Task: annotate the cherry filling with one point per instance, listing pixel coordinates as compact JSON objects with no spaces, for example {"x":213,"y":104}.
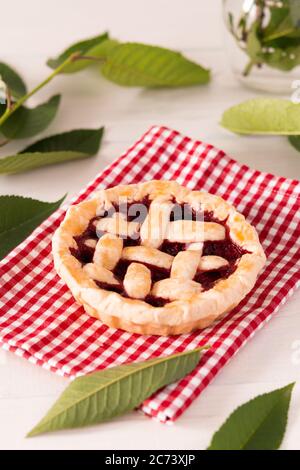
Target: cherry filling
{"x":172,"y":248}
{"x":137,"y":211}
{"x":91,"y":231}
{"x":208,"y":278}
{"x":155,"y":301}
{"x":119,"y":289}
{"x":225,"y":248}
{"x":157,"y":273}
{"x":83,"y":252}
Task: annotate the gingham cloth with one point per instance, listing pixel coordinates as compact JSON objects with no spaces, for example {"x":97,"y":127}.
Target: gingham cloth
{"x":39,"y":319}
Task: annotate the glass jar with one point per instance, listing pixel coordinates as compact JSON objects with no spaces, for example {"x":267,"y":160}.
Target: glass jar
{"x":264,"y":43}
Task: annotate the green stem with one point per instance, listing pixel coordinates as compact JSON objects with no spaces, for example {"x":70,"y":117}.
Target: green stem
{"x":248,"y":68}
{"x":9,"y":111}
{"x":8,"y":98}
{"x":91,"y":58}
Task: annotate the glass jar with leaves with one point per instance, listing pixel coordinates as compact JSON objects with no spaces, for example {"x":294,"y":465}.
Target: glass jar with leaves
{"x":264,"y":42}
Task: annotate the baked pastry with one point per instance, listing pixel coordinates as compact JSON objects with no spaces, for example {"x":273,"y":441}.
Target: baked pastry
{"x":156,"y":257}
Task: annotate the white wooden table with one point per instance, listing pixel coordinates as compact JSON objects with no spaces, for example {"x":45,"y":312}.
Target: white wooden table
{"x":36,"y":30}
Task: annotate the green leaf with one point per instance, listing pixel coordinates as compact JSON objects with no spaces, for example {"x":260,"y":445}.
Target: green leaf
{"x":27,"y":122}
{"x":12,"y":80}
{"x":133,"y":64}
{"x":93,"y":55}
{"x":102,"y":50}
{"x":295,"y":141}
{"x":258,"y":424}
{"x":263,"y":116}
{"x":19,"y":216}
{"x":284,"y":43}
{"x":282,"y":52}
{"x":81,"y":140}
{"x":280,"y":24}
{"x":281,"y":39}
{"x":59,"y":148}
{"x":104,"y":394}
{"x":87,"y":47}
{"x":21,"y":163}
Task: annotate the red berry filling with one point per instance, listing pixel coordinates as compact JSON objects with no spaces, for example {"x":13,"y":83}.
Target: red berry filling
{"x":137,"y":211}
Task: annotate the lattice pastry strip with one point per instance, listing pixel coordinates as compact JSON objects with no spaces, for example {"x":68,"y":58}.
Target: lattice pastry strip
{"x":118,"y":225}
{"x":185,"y":264}
{"x":147,"y":255}
{"x":209,"y":263}
{"x":90,"y":243}
{"x":155,"y":226}
{"x":137,"y":281}
{"x":176,"y":289}
{"x":108,"y":251}
{"x":190,"y":231}
{"x":100,"y":274}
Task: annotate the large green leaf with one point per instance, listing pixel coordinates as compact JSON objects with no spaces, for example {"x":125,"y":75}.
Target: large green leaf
{"x":285,"y":59}
{"x":263,"y":116}
{"x":19,"y":216}
{"x":102,"y":395}
{"x":27,"y":122}
{"x":80,"y":140}
{"x":29,"y":161}
{"x":258,"y":424}
{"x":295,"y":141}
{"x":87,"y":47}
{"x":280,"y":24}
{"x":133,"y":64}
{"x":14,"y":82}
{"x":59,"y":148}
{"x":101,"y":51}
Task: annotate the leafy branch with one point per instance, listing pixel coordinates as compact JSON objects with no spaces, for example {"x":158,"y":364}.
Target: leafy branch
{"x":19,"y":122}
{"x":129,"y":64}
{"x":135,"y":64}
{"x":11,"y":107}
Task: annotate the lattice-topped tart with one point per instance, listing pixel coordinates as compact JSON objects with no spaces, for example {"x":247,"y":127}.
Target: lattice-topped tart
{"x":156,"y":257}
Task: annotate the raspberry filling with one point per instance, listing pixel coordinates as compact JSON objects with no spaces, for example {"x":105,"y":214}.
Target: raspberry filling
{"x":226,"y":248}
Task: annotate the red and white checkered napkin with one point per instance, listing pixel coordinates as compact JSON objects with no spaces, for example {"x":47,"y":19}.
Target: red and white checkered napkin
{"x":40,"y":320}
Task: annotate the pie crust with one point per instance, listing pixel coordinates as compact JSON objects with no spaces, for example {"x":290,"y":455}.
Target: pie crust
{"x":173,"y":278}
